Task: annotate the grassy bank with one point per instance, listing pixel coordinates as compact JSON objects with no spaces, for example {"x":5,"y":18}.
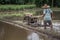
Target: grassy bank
{"x":12,"y":16}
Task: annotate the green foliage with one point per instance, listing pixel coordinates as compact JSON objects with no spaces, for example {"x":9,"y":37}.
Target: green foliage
{"x":16,"y":7}
{"x":38,"y":3}
{"x":57,"y":3}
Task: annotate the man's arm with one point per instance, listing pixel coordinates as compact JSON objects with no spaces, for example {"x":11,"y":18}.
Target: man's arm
{"x":51,"y":15}
{"x":43,"y":15}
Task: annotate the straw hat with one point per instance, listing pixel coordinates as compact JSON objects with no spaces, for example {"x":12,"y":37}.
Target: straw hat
{"x":46,"y":6}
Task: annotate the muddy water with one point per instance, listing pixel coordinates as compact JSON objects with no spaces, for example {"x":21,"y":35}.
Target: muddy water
{"x":9,"y":32}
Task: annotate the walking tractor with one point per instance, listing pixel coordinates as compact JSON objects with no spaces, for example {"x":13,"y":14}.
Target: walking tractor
{"x":32,"y":20}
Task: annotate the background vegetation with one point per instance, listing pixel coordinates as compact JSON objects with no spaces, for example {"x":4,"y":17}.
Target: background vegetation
{"x":16,"y":7}
{"x":38,"y":3}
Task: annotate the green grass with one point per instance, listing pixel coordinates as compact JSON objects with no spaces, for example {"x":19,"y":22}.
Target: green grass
{"x":15,"y":7}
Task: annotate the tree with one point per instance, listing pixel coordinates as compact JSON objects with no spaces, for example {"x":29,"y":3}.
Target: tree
{"x":57,"y":3}
{"x":38,"y":3}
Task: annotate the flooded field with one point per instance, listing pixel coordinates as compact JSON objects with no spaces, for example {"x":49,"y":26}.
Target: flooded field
{"x":10,"y":32}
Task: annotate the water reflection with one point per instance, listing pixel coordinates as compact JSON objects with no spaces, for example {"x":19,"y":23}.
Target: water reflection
{"x":33,"y":36}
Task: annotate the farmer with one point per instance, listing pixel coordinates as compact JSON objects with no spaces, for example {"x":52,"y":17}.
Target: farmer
{"x":47,"y":16}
